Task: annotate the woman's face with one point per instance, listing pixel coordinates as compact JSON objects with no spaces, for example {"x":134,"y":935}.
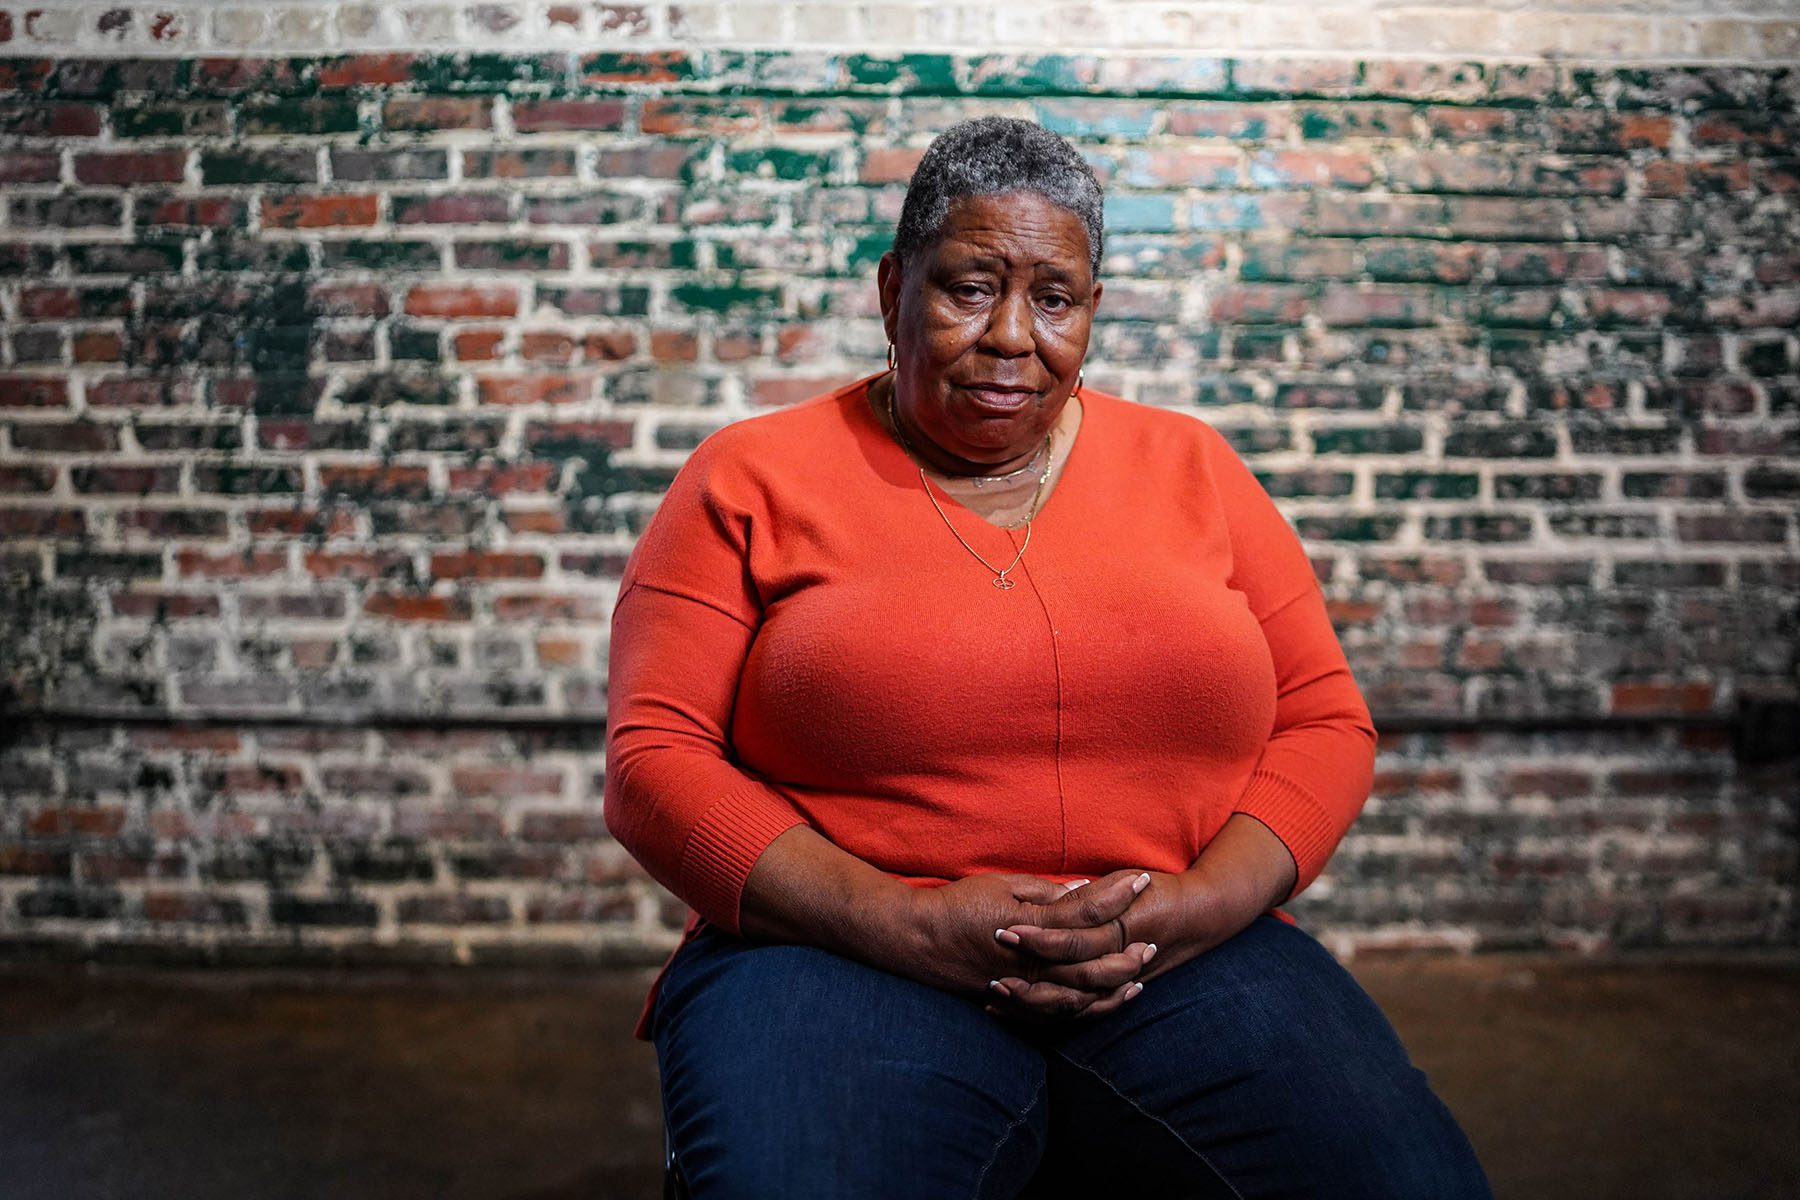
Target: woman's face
{"x":990,"y":327}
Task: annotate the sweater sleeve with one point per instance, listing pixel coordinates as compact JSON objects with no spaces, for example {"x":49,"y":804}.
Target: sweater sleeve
{"x":686,"y":616}
{"x":1319,"y":762}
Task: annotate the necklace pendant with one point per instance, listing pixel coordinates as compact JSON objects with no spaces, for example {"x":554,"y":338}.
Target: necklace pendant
{"x":1004,"y":584}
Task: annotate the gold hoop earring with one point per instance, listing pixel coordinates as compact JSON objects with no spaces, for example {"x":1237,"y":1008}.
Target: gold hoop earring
{"x":1080,"y":377}
{"x":893,"y":360}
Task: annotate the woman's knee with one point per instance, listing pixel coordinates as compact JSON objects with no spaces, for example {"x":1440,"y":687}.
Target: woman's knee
{"x":1269,"y":1061}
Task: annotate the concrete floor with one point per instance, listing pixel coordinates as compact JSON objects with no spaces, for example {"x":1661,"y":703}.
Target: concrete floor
{"x":1636,"y":1079}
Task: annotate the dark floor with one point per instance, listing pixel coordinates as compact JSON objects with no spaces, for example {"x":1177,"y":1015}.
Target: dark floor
{"x":1639,"y":1079}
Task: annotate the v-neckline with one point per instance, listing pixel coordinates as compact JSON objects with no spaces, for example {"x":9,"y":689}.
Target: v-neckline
{"x":905,"y":460}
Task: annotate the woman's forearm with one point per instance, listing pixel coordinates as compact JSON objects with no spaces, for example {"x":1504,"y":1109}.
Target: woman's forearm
{"x":1243,"y":872}
{"x":806,"y":889}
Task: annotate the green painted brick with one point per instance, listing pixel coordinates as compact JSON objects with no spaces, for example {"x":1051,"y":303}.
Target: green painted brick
{"x":779,"y":163}
{"x":258,"y":166}
{"x":913,"y":74}
{"x":1426,"y":485}
{"x":1097,"y":118}
{"x":316,"y":114}
{"x":725,"y":297}
{"x":1127,"y":214}
{"x":658,"y":67}
{"x":1030,"y":75}
{"x":488,"y":72}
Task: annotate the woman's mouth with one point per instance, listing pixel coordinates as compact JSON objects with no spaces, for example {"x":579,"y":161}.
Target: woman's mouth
{"x":999,"y":397}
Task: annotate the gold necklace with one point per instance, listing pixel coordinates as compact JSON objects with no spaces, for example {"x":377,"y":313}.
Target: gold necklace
{"x":1000,"y":574}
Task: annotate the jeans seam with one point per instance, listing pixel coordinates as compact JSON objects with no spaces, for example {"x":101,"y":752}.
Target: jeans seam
{"x":1148,"y":1115}
{"x":1006,"y":1136}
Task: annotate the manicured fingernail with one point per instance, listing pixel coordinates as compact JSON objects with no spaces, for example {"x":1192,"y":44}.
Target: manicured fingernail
{"x":1075,"y":883}
{"x":994,"y":985}
{"x":1150,"y":952}
{"x":1141,"y":882}
{"x":1131,"y":993}
{"x":1006,"y":937}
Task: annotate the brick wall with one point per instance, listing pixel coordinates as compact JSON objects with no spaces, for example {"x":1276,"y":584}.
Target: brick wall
{"x":335,"y":385}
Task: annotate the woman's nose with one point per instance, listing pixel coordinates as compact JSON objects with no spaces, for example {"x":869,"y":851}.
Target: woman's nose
{"x":1009,"y":326}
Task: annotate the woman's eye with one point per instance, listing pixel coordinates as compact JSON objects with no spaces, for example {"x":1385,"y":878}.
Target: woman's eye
{"x":966,"y":291}
{"x":1054,"y":303}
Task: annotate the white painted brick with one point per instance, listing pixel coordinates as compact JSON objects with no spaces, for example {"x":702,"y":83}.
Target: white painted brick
{"x":704,"y":22}
{"x":429,"y":22}
{"x":238,"y":26}
{"x":889,"y":24}
{"x":53,"y":25}
{"x":305,"y":26}
{"x":828,"y":23}
{"x":1780,"y":41}
{"x":759,"y":22}
{"x":364,"y":22}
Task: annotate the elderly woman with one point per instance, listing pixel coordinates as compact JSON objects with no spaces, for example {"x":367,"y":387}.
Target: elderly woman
{"x":982,"y":719}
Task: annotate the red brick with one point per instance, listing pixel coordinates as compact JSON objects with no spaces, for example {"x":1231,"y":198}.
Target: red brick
{"x":32,"y":391}
{"x":233,"y":564}
{"x":459,"y":301}
{"x":614,"y":434}
{"x":465,"y":209}
{"x":1239,"y":122}
{"x":316,"y":212}
{"x":550,"y":347}
{"x":366,"y":70}
{"x":534,"y":389}
{"x":404,"y":607}
{"x":1287,"y":75}
{"x":702,"y":114}
{"x":615,"y":345}
{"x":49,"y":303}
{"x":541,"y":116}
{"x":676,"y":346}
{"x":425,"y":114}
{"x":890,"y":164}
{"x":478,"y":345}
{"x":491,"y":564}
{"x":1312,"y":168}
{"x":142,"y":166}
{"x":30,"y":166}
{"x":50,"y":119}
{"x":531,"y":479}
{"x":348,"y":299}
{"x":356,"y":564}
{"x":96,"y":346}
{"x":543,"y":607}
{"x":1260,"y":304}
{"x":1665,"y":698}
{"x":213,"y":212}
{"x":88,"y":822}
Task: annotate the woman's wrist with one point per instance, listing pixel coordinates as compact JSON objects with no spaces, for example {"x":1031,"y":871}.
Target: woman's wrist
{"x":1244,"y":872}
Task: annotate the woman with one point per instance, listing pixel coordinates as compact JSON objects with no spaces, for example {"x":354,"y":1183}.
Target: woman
{"x":982,"y":719}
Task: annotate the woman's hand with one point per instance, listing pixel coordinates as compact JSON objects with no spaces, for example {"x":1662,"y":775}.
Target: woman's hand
{"x":1243,"y":872}
{"x":955,"y":937}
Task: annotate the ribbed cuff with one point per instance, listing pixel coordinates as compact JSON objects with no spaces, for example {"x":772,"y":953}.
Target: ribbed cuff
{"x":725,"y":844}
{"x":1294,"y":816}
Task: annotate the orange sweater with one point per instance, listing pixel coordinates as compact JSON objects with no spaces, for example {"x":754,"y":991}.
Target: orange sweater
{"x":799,"y":638}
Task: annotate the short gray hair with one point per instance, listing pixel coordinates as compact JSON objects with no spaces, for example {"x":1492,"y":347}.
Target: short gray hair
{"x":992,"y":155}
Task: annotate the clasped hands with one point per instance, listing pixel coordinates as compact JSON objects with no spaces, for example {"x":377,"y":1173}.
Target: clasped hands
{"x":1038,"y":949}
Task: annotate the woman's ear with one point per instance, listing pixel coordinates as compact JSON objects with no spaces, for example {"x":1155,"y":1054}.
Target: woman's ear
{"x":887,"y":286}
{"x":1094,"y":303}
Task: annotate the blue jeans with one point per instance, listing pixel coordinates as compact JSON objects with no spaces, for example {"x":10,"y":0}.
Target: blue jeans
{"x":1259,"y":1069}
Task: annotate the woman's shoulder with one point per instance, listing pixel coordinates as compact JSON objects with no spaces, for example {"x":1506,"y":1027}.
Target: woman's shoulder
{"x":1146,"y":433}
{"x":795,"y":432}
